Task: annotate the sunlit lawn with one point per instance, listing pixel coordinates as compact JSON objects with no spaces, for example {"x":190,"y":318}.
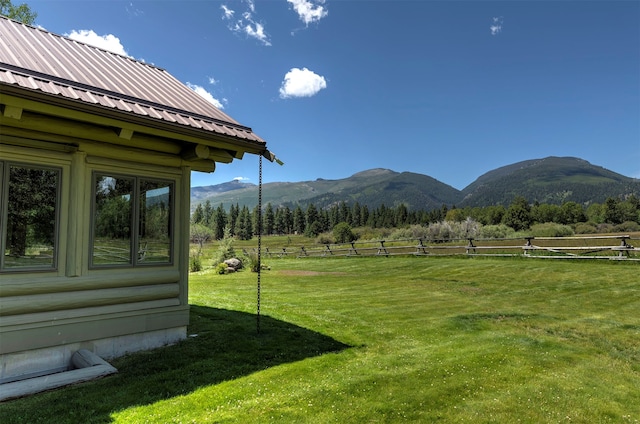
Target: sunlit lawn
{"x":384,"y":340}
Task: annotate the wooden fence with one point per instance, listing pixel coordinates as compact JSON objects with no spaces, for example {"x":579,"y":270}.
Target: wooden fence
{"x":616,"y":247}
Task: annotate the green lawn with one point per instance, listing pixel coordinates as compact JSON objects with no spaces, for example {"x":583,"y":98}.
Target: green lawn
{"x":372,"y":340}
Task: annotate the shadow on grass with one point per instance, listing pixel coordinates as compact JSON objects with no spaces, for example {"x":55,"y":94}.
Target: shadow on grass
{"x":225,"y":346}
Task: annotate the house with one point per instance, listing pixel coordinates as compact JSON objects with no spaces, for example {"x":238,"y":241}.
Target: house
{"x":96,"y":151}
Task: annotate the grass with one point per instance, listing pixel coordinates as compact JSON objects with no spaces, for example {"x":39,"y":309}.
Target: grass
{"x":384,"y":340}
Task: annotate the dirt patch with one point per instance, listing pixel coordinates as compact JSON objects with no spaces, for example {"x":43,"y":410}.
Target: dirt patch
{"x":308,"y":273}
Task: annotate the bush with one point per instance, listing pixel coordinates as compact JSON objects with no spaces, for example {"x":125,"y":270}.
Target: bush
{"x":411,"y":232}
{"x":496,"y":231}
{"x":368,"y":233}
{"x":551,"y":229}
{"x":605,"y":228}
{"x":221,"y":268}
{"x":225,"y":248}
{"x":251,"y":259}
{"x":342,"y":233}
{"x":447,"y":230}
{"x":324,"y":238}
{"x":195,"y":264}
{"x":585,"y":228}
{"x":629,"y":226}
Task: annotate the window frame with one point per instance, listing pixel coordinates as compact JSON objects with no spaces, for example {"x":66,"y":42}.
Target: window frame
{"x":5,"y":166}
{"x":136,"y":218}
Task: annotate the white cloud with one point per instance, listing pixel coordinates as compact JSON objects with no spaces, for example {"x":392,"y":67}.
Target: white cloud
{"x":496,"y":28}
{"x":247,"y":24}
{"x":212,"y":81}
{"x":301,"y":83}
{"x":107,"y":42}
{"x":309,"y":11}
{"x":206,"y":95}
{"x":228,"y":13}
{"x":241,"y":179}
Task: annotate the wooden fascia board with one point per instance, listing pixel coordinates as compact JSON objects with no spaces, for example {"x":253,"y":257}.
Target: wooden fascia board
{"x":81,"y":111}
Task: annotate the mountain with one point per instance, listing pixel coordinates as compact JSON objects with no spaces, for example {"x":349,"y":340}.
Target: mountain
{"x":204,"y":192}
{"x":549,"y":180}
{"x":372,"y":188}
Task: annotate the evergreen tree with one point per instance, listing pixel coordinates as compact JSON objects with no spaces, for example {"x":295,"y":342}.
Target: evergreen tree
{"x":219,"y":222}
{"x":269,"y":220}
{"x":311,"y":217}
{"x":244,"y":224}
{"x":234,"y":211}
{"x":198,"y":215}
{"x":208,"y":214}
{"x":299,"y":223}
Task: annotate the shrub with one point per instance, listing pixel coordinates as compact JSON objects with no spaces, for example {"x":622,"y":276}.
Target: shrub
{"x":627,"y":226}
{"x":324,"y":238}
{"x":342,"y":233}
{"x":411,"y":232}
{"x":551,"y":229}
{"x":605,"y":228}
{"x":221,"y":268}
{"x":195,"y":264}
{"x":225,"y":248}
{"x":496,"y":231}
{"x":251,"y":259}
{"x":585,"y":228}
{"x":447,"y":230}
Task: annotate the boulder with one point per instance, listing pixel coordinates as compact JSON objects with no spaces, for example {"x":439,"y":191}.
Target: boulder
{"x":234,"y":263}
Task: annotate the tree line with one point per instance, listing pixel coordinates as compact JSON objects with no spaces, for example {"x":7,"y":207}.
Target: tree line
{"x":242,"y":223}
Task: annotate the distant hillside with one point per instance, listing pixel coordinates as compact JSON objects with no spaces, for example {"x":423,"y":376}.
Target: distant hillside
{"x":416,"y":191}
{"x":371,"y":188}
{"x":549,"y":180}
{"x":206,"y":192}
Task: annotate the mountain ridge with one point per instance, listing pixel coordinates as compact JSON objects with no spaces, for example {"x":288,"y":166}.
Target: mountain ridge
{"x":547,"y":180}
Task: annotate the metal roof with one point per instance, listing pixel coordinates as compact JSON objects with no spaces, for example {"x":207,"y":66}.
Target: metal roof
{"x":35,"y":59}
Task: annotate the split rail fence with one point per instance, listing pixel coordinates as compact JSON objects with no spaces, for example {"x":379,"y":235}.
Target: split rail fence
{"x":614,"y":247}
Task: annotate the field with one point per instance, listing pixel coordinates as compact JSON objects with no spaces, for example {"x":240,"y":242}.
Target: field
{"x":373,"y":340}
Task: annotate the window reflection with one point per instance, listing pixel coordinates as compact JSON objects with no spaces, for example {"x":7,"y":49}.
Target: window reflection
{"x":31,"y":217}
{"x":132,"y":221}
{"x":155,"y":221}
{"x":112,"y":220}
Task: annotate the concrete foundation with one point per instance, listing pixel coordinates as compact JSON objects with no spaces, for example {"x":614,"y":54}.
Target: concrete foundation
{"x":33,"y":364}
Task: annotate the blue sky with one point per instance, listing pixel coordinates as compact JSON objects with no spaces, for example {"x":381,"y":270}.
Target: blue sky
{"x":450,"y":89}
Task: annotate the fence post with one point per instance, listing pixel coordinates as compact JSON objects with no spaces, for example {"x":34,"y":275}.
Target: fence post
{"x":624,"y":245}
{"x":470,"y":246}
{"x":382,"y":248}
{"x":353,"y":248}
{"x":329,"y":250}
{"x":527,"y":245}
{"x":421,"y":248}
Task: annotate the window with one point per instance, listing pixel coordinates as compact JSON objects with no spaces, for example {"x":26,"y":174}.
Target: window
{"x":29,"y":206}
{"x":132,"y":221}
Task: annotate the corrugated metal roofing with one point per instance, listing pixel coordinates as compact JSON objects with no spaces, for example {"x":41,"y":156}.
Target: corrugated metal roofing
{"x":36,"y":59}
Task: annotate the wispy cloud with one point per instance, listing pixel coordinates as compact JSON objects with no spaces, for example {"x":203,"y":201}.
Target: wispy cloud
{"x":228,"y":13}
{"x":309,"y":11}
{"x":133,"y":11}
{"x":241,"y":179}
{"x":496,"y":28}
{"x":247,"y":23}
{"x":106,"y":42}
{"x":301,"y":83}
{"x":213,"y":81}
{"x":206,"y":95}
